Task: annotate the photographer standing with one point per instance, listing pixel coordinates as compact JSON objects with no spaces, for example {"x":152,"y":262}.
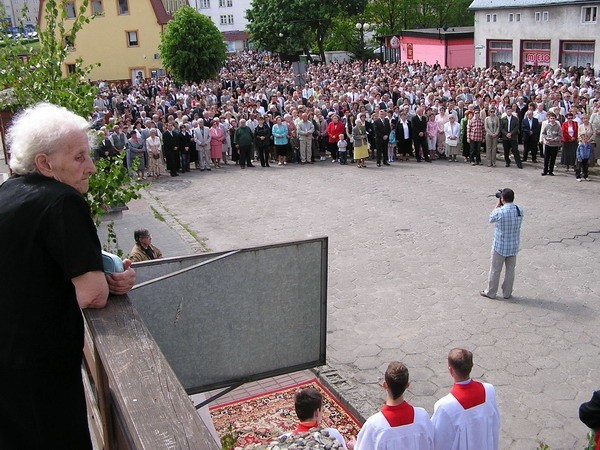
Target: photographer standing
{"x":508,"y":218}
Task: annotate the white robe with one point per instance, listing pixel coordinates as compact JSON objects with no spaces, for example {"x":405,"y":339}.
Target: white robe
{"x":377,"y":434}
{"x":476,"y":428}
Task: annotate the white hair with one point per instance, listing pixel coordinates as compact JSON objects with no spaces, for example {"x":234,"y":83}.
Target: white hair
{"x":42,"y":128}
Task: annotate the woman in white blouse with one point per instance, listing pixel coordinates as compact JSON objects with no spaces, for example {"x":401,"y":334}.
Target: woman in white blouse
{"x":153,"y":147}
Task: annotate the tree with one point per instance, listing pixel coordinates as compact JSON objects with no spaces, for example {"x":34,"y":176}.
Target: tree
{"x":393,"y":16}
{"x":345,"y":36}
{"x":293,"y":25}
{"x":31,"y":73}
{"x":272,"y":29}
{"x":192,"y":47}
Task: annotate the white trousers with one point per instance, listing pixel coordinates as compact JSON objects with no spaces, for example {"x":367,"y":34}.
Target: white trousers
{"x":494,"y":277}
{"x":204,"y":156}
{"x":305,"y":150}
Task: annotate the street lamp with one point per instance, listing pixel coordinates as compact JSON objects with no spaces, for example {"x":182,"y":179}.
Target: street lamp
{"x":362,"y":27}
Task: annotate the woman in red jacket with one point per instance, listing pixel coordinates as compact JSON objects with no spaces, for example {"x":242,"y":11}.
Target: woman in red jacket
{"x":334,"y":129}
{"x":569,"y":140}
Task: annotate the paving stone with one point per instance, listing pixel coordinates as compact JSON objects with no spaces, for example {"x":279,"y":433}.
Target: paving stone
{"x":408,"y":254}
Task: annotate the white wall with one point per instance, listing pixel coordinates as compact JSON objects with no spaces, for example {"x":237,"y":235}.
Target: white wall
{"x":564,"y":24}
{"x":14,"y":10}
{"x":238,"y":9}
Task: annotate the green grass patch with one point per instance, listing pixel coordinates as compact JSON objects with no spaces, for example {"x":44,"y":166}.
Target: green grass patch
{"x":157,"y":214}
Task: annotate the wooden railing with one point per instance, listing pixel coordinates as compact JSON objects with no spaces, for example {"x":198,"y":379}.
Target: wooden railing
{"x":134,"y":398}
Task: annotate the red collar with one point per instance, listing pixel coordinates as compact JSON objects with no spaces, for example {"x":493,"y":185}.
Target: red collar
{"x":303,"y":427}
{"x":470,"y":394}
{"x":399,"y":415}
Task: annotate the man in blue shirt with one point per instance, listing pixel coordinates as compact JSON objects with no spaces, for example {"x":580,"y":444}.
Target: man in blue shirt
{"x":508,"y":218}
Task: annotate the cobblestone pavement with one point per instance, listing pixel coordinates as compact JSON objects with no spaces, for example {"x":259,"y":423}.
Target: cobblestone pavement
{"x":409,"y":252}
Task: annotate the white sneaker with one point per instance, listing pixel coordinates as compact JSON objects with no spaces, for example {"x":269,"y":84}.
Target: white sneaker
{"x":587,"y":179}
{"x":333,"y":160}
{"x":579,"y":179}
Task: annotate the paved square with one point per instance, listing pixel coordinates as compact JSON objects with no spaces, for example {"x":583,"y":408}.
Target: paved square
{"x":409,"y":253}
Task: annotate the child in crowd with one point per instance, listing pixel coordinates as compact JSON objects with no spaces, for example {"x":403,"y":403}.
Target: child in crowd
{"x":308,"y":404}
{"x":584,"y":150}
{"x":392,"y":146}
{"x":342,"y":145}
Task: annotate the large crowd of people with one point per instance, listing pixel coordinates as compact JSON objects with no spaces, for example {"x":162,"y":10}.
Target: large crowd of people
{"x":257,"y":111}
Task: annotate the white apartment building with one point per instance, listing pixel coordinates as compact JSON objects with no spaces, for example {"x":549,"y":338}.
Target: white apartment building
{"x":13,"y":11}
{"x":230,"y":18}
{"x":537,"y":33}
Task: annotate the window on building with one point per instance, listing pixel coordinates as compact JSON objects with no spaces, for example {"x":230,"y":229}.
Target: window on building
{"x":204,"y":4}
{"x":226,"y":19}
{"x":225,"y":3}
{"x":535,"y":55}
{"x":500,"y":53}
{"x":171,"y":6}
{"x":70,"y":69}
{"x":69,"y":42}
{"x":542,"y":16}
{"x":511,"y":17}
{"x":97,"y":7}
{"x":132,"y":38}
{"x":536,"y":45}
{"x":517,"y":17}
{"x":589,"y":14}
{"x":157,"y":73}
{"x":122,"y":7}
{"x":70,"y":9}
{"x":488,"y":17}
{"x":493,"y":17}
{"x":576,"y":54}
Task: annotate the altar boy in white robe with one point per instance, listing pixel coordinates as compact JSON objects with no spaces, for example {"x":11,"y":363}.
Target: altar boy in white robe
{"x":468,"y":417}
{"x":398,"y":425}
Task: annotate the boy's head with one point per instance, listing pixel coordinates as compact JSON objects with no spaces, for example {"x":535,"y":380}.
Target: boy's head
{"x":307,"y":403}
{"x":396,"y":379}
{"x":461,"y":362}
{"x":341,"y":137}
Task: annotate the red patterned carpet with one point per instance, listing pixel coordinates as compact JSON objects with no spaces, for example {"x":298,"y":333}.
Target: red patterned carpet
{"x":262,"y":418}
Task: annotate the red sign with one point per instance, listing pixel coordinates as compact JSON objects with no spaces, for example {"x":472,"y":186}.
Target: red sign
{"x":409,"y":51}
{"x":395,"y":42}
{"x":537,"y":58}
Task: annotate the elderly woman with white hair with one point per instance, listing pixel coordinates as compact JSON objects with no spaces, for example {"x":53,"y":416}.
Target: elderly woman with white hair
{"x":51,"y":268}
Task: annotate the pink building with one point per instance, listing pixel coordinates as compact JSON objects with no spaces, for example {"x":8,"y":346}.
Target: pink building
{"x":453,"y":47}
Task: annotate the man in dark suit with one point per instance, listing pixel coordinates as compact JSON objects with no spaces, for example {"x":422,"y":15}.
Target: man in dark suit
{"x":404,"y":135}
{"x":170,"y":142}
{"x":383,"y":128}
{"x":530,"y":132}
{"x":509,"y":128}
{"x":419,"y":135}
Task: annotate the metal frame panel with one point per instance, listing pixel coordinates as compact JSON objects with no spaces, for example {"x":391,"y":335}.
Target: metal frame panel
{"x":231,"y":317}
